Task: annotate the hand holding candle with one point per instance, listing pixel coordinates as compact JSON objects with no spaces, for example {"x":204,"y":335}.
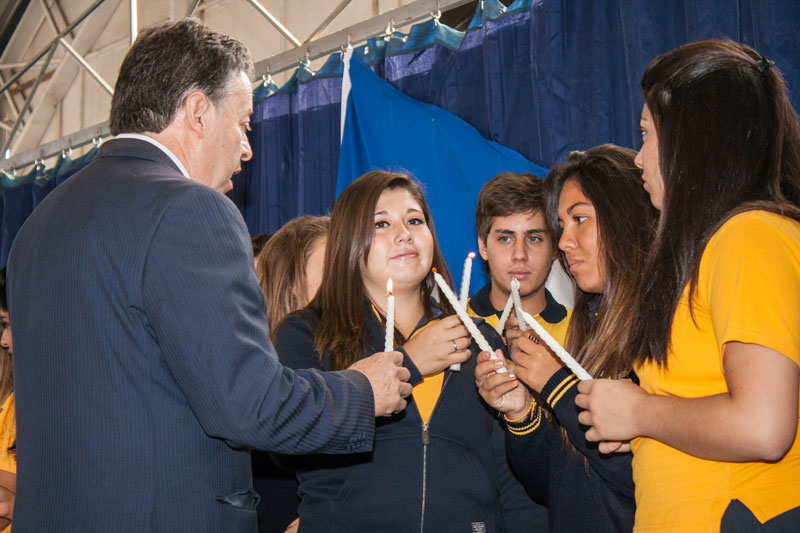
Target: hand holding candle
{"x":467,"y":321}
{"x":553,"y":344}
{"x":388,"y":343}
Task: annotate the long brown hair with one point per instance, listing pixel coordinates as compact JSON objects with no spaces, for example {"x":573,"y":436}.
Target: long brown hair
{"x":341,"y":297}
{"x":728,"y":141}
{"x":626,"y":223}
{"x":281,"y":267}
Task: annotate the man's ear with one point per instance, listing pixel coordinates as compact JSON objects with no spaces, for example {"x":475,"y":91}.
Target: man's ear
{"x":196,"y":108}
{"x":482,"y":249}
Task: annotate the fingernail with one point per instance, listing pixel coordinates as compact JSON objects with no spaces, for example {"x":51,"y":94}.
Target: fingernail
{"x":512,"y":375}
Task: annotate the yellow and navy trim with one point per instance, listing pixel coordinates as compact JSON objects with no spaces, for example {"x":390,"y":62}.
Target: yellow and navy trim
{"x":558,"y":386}
{"x":559,"y":390}
{"x":480,"y":306}
{"x":528,"y":422}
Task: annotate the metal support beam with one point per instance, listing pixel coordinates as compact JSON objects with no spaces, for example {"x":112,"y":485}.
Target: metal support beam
{"x":11,"y":103}
{"x":87,"y":66}
{"x":41,"y":54}
{"x":192,"y":8}
{"x":324,"y":24}
{"x":275,"y":22}
{"x":357,"y":33}
{"x":49,"y":16}
{"x":28,"y":100}
{"x":47,"y":101}
{"x":74,"y":140}
{"x":134,"y":20}
{"x":402,"y":16}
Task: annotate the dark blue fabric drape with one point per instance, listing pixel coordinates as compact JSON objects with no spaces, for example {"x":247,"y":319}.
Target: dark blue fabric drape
{"x":17,"y":206}
{"x":543,"y":78}
{"x":21,"y":194}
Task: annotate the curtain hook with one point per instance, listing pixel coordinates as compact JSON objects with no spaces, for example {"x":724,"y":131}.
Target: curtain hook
{"x":389,"y":30}
{"x":307,"y":60}
{"x":436,"y":15}
{"x":347,"y":46}
{"x":267,"y":78}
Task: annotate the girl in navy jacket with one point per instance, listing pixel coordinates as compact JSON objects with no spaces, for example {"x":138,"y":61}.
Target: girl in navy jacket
{"x":440,"y":464}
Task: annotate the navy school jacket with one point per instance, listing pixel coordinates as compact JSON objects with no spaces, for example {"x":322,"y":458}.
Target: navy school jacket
{"x":448,"y":475}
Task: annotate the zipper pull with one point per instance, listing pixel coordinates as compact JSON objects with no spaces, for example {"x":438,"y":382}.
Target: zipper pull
{"x":426,"y":438}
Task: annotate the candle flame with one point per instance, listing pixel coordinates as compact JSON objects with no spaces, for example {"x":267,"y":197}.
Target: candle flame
{"x":389,"y":287}
{"x":471,"y":255}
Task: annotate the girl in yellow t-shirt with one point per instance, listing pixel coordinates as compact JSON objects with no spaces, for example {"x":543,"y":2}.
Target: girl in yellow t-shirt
{"x":716,"y":335}
{"x":8,"y":426}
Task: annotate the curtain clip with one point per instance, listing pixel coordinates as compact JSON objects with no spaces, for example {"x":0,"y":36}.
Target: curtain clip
{"x":347,"y":46}
{"x":389,"y":30}
{"x":436,"y":15}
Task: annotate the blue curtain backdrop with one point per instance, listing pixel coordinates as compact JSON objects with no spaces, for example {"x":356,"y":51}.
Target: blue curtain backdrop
{"x":542,"y":78}
{"x":21,"y":194}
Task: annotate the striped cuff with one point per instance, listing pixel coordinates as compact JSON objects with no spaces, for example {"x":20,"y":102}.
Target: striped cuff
{"x":527,"y":423}
{"x":558,"y":385}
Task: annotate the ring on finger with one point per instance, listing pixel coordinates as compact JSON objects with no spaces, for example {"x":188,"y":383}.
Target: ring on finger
{"x":455,"y":346}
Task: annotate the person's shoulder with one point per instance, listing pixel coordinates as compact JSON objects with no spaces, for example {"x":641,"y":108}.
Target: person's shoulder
{"x":480,"y":304}
{"x":188,"y":196}
{"x":487,"y":330}
{"x":752,"y":230}
{"x":305,"y":317}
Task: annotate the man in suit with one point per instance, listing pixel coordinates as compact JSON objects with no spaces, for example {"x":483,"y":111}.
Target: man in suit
{"x":144,"y":370}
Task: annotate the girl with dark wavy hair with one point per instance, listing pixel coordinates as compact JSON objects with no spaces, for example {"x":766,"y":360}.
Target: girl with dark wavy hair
{"x":604,"y":224}
{"x":716,"y":333}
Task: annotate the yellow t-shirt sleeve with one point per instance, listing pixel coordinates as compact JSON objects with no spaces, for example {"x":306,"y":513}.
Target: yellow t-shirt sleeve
{"x":752,"y":274}
{"x":8,"y":435}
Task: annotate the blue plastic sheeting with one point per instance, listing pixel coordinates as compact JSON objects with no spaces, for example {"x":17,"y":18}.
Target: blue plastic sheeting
{"x":385,"y":129}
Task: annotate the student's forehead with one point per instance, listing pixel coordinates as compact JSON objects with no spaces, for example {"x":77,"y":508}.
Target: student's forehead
{"x":524,"y":221}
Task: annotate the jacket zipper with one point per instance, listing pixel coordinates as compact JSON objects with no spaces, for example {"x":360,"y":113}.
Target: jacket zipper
{"x":426,"y":440}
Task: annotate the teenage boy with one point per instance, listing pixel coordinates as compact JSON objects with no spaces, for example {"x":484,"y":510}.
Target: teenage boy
{"x":515,"y":242}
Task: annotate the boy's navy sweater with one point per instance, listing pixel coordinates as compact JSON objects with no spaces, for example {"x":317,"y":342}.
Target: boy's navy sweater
{"x":594,"y":497}
{"x":451,"y":474}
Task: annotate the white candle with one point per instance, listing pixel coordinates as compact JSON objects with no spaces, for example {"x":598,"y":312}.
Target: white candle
{"x":388,"y":343}
{"x":462,"y":314}
{"x":560,"y":352}
{"x":505,"y":314}
{"x":465,"y":278}
{"x":517,"y":303}
{"x":464,"y":296}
